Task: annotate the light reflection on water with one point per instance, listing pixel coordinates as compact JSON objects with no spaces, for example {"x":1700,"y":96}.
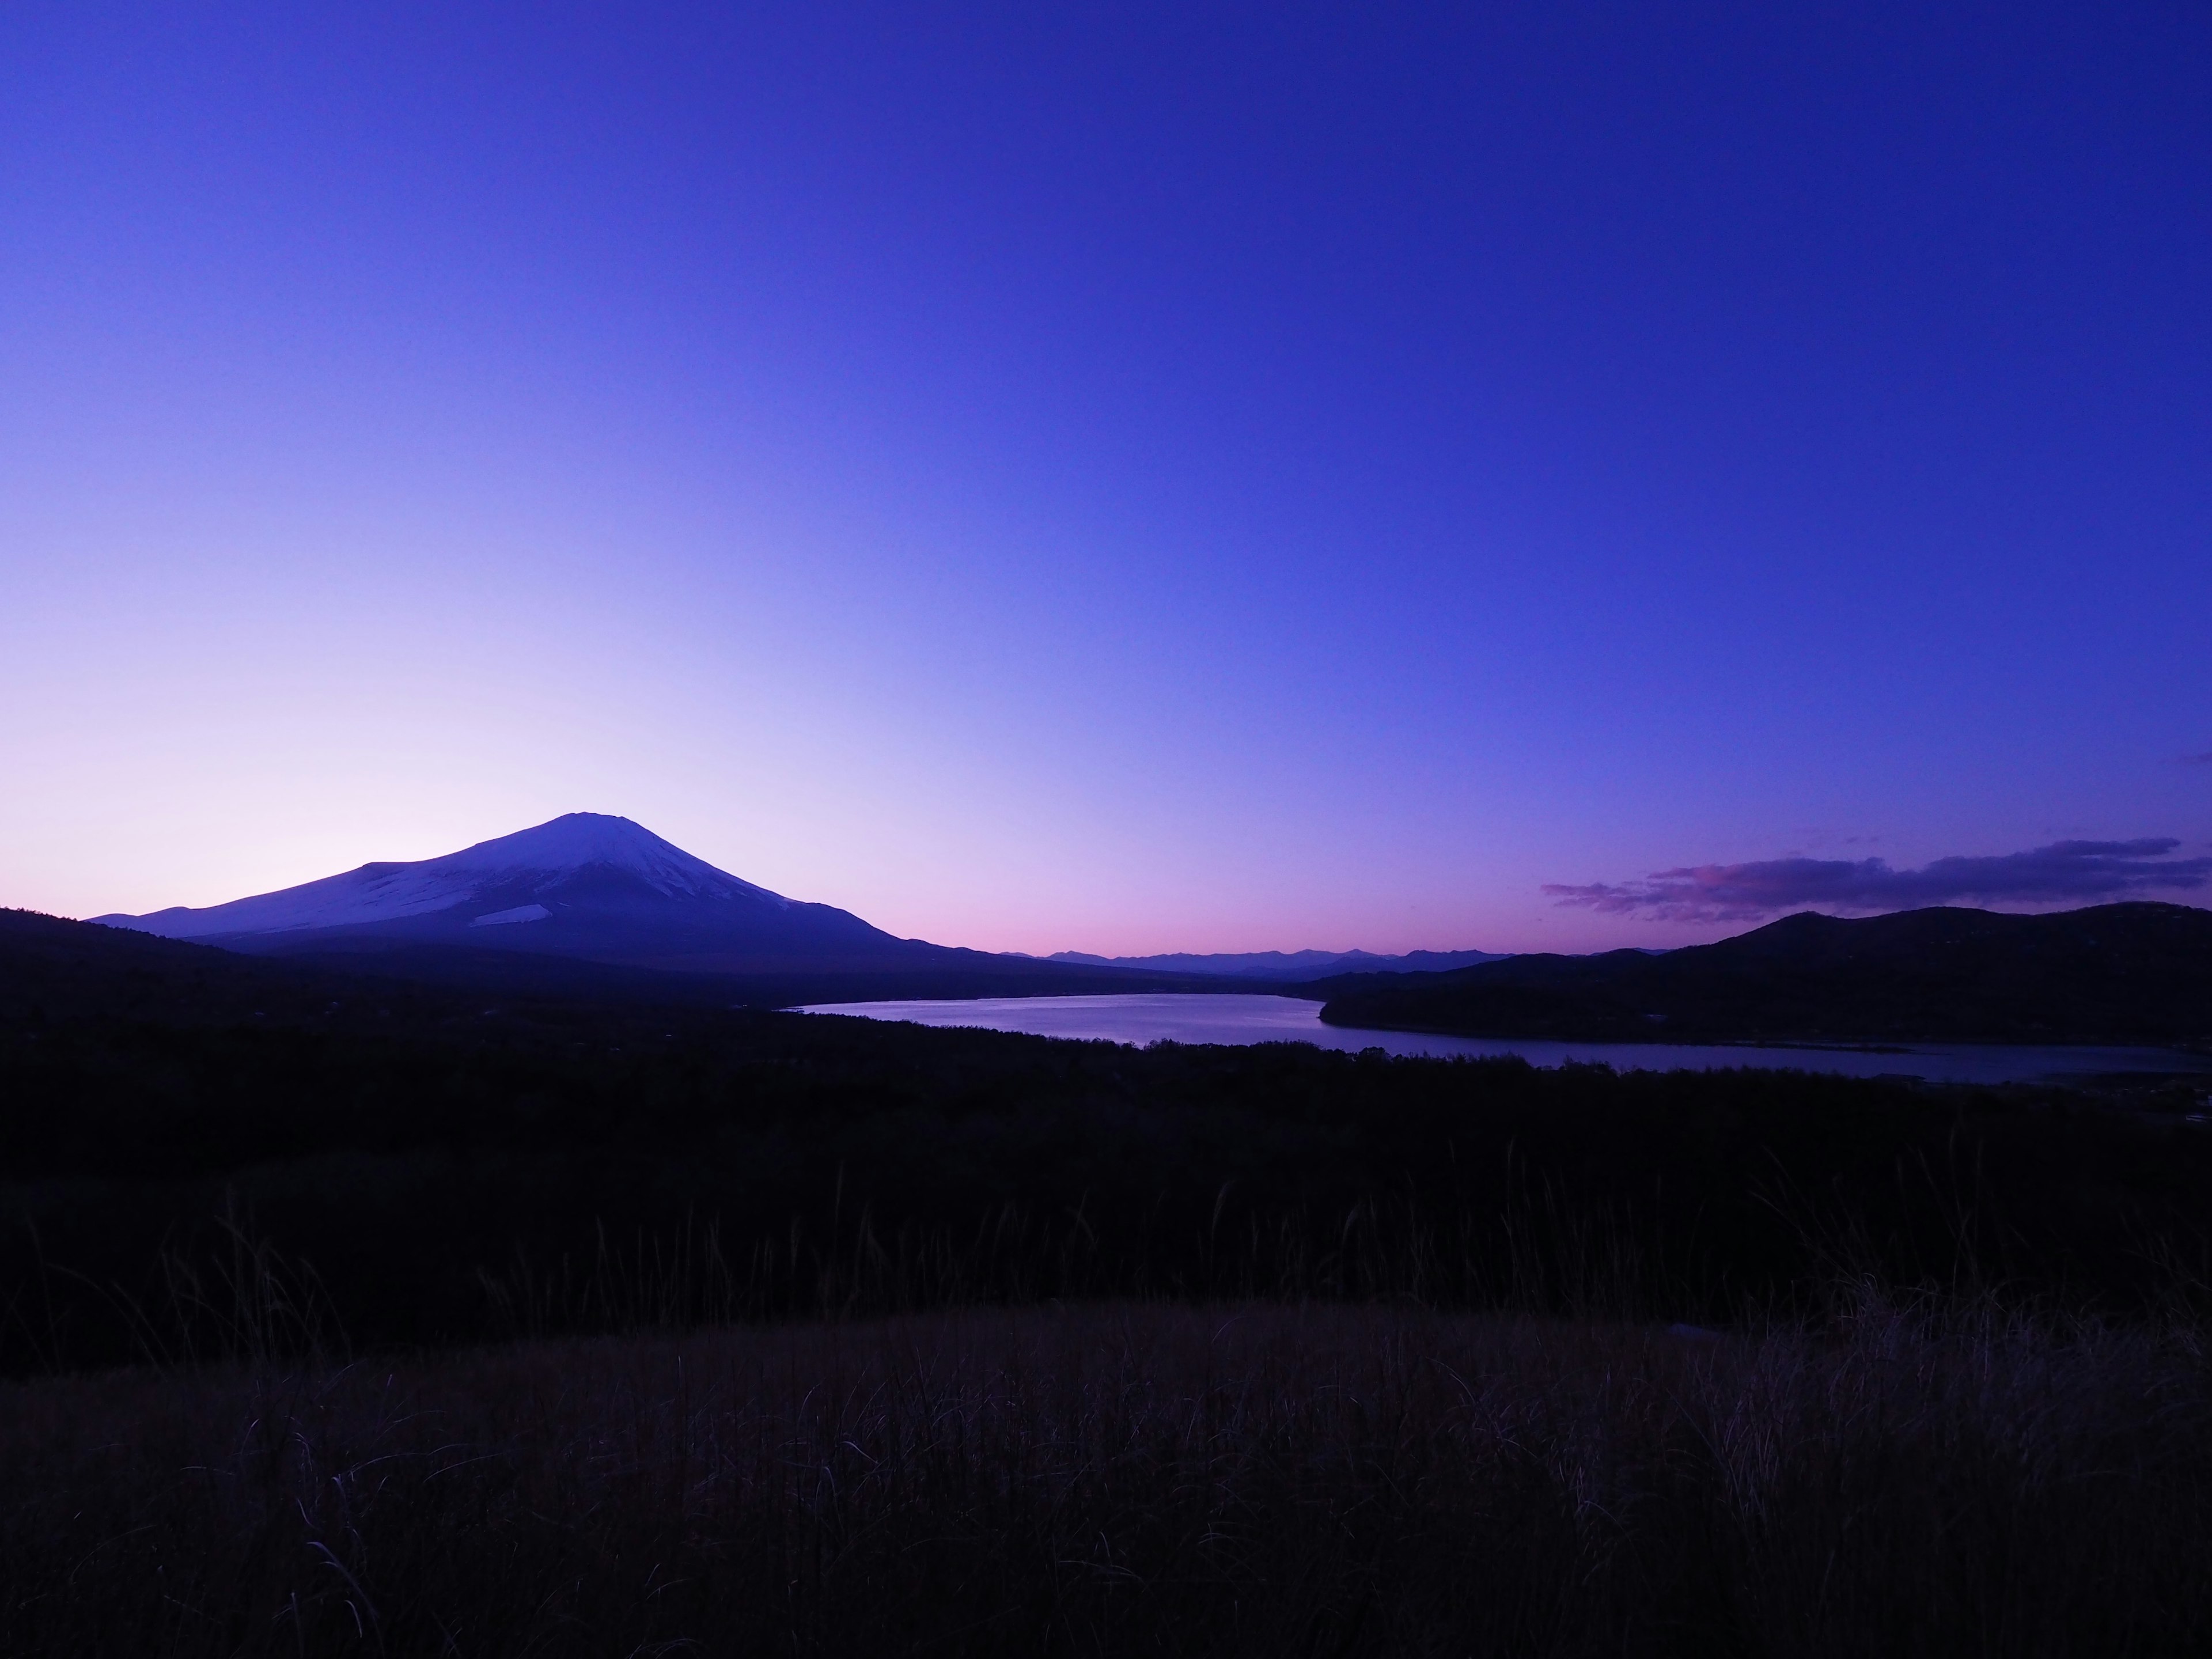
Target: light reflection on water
{"x":1158,"y":1016}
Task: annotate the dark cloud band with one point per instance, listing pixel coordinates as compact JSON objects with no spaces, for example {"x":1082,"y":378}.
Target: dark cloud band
{"x":2064,"y":871}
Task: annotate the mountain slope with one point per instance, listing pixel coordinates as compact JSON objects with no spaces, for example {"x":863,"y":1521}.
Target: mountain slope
{"x":2113,"y":973}
{"x":1287,"y":966}
{"x":584,"y":886}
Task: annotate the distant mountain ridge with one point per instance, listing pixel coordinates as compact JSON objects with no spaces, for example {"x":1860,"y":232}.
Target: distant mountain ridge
{"x":592,"y":887}
{"x":2131,"y":973}
{"x":1286,"y":966}
{"x":590,"y":904}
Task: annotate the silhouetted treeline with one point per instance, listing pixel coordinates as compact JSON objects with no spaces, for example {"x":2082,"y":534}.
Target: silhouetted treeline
{"x":178,"y":1174}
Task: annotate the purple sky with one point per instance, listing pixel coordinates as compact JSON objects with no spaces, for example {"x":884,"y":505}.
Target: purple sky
{"x":1169,"y":478}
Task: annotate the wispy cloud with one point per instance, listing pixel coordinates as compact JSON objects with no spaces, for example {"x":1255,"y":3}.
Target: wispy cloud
{"x":2075,"y":870}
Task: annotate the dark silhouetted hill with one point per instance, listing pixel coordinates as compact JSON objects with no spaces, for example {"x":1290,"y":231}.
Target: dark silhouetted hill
{"x":66,"y":968}
{"x":2137,"y":973}
{"x":546,"y":910}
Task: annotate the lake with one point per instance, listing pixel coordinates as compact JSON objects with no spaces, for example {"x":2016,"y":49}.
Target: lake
{"x":1231,"y":1019}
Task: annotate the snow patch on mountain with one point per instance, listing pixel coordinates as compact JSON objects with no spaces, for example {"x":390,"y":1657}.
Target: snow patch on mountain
{"x":505,"y":918}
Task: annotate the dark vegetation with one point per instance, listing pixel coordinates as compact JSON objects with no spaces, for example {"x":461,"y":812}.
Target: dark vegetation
{"x":437,"y":1168}
{"x":1225,"y":1483}
{"x":2136,"y":973}
{"x":933,"y":971}
{"x":455,"y":1320}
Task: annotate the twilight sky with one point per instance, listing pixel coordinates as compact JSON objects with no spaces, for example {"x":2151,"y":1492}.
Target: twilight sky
{"x":1141,"y":479}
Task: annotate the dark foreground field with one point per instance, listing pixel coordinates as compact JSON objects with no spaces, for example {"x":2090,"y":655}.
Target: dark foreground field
{"x":347,"y":1315}
{"x":1137,"y":1479}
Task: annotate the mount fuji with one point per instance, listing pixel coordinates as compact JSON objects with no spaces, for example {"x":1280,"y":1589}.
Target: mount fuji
{"x":584,"y":886}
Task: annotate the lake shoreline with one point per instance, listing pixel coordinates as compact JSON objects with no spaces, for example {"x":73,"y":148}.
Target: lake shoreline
{"x":1239,"y":1019}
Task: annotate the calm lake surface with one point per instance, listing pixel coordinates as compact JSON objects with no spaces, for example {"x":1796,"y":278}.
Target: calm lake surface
{"x":1236,"y":1018}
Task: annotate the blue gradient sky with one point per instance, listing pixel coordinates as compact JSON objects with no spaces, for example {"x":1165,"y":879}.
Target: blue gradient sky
{"x":1136,"y":480}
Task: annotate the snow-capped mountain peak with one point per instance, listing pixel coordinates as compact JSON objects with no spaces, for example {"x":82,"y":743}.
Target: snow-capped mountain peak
{"x":511,"y":879}
{"x":581,"y":841}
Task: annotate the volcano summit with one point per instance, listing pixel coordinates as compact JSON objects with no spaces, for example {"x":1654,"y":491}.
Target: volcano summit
{"x":585,"y":885}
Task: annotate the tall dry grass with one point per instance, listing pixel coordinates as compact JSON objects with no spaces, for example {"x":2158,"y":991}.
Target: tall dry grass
{"x":1928,"y":1478}
{"x":232,"y":1294}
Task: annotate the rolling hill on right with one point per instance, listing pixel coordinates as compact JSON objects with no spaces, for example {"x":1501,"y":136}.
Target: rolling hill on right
{"x":2133,"y":973}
